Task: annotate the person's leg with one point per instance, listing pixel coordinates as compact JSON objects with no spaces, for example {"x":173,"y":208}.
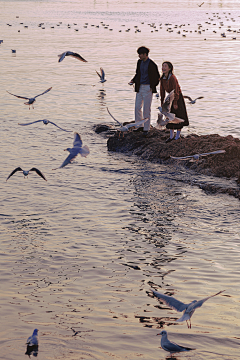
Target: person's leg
{"x":147,"y":102}
{"x":138,"y":105}
{"x":178,"y":134}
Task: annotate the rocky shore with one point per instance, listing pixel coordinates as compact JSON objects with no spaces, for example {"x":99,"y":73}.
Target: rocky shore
{"x":153,"y":147}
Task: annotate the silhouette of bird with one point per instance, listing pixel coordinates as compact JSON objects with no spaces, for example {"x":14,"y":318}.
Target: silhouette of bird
{"x":102,"y":75}
{"x":70,"y":53}
{"x":30,"y":100}
{"x":191,"y":101}
{"x":180,"y":306}
{"x":170,"y":346}
{"x":77,"y":149}
{"x":26,"y":172}
{"x":45,"y":122}
{"x":201,"y":4}
{"x":196,"y":157}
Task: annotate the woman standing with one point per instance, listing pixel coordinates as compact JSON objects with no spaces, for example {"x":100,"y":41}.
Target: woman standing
{"x":168,"y":82}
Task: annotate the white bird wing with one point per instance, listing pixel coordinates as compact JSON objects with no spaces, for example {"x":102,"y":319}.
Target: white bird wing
{"x":170,"y":117}
{"x":168,"y":102}
{"x":184,"y":317}
{"x":84,"y":151}
{"x":170,"y":301}
{"x":171,"y":346}
{"x":44,"y":92}
{"x":181,"y":157}
{"x":213,"y":152}
{"x":58,"y":126}
{"x":21,"y":97}
{"x":136,"y":124}
{"x":69,"y":159}
{"x":176,"y":120}
{"x":114,"y":118}
{"x":199,"y":303}
{"x":77,"y":142}
{"x":30,"y":123}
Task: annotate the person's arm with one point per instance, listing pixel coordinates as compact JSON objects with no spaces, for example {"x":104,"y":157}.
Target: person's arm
{"x":133,"y":80}
{"x":162,"y":92}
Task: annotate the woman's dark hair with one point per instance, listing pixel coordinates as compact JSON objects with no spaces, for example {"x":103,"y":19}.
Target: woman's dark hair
{"x":170,"y":65}
{"x":143,"y":50}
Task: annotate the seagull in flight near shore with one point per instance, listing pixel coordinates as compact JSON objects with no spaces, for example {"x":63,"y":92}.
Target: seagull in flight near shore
{"x":70,"y":53}
{"x":180,"y":306}
{"x":196,"y":157}
{"x":170,"y":346}
{"x":200,"y":4}
{"x":75,"y":150}
{"x":164,"y":116}
{"x":102,"y":75}
{"x":45,"y":122}
{"x":26,"y":172}
{"x":31,"y":100}
{"x":33,"y":339}
{"x":191,"y":101}
{"x":126,"y":127}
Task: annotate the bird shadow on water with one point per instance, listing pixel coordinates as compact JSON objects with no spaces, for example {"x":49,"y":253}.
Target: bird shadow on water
{"x":32,"y":350}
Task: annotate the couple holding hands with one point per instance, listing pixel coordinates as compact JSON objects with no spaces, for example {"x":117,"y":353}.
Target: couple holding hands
{"x":146,"y":80}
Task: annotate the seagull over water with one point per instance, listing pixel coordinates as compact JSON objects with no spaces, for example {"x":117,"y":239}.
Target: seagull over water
{"x":191,"y":101}
{"x":165,"y":112}
{"x":33,"y":339}
{"x":31,"y":100}
{"x":75,"y":150}
{"x":70,"y":53}
{"x":196,"y":157}
{"x":26,"y":172}
{"x":45,"y":121}
{"x":102,"y":75}
{"x":180,"y":306}
{"x":126,"y":127}
{"x":170,"y":346}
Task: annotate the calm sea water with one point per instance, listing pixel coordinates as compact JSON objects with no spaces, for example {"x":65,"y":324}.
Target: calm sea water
{"x":80,"y":252}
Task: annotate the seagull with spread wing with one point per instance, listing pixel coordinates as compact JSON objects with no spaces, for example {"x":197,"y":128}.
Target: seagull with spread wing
{"x":164,"y":116}
{"x":180,"y":306}
{"x":30,"y":100}
{"x":45,"y":122}
{"x":26,"y":172}
{"x":75,"y":150}
{"x":196,"y":157}
{"x":126,"y":127}
{"x":102,"y":75}
{"x":70,"y":53}
{"x":191,"y":101}
{"x":171,"y":346}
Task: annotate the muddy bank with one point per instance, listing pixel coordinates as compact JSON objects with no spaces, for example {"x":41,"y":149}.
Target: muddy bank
{"x":153,"y":147}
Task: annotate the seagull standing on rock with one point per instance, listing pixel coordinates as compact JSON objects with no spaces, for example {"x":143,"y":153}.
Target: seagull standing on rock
{"x":77,"y":149}
{"x":180,"y":306}
{"x":30,"y":100}
{"x":170,"y":346}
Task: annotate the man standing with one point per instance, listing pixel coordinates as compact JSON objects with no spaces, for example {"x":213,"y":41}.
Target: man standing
{"x":146,"y":79}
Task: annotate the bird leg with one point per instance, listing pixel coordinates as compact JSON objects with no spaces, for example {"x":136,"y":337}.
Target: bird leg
{"x":189,"y":325}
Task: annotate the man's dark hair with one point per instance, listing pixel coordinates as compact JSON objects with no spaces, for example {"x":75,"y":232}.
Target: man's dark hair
{"x":143,"y":50}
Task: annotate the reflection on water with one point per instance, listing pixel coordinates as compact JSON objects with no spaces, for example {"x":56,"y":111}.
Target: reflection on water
{"x":80,"y":252}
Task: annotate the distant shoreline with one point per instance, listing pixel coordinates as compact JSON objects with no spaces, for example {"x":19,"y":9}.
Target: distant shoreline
{"x":154,"y":148}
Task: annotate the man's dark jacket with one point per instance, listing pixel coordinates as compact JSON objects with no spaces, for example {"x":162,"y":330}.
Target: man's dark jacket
{"x":153,"y":75}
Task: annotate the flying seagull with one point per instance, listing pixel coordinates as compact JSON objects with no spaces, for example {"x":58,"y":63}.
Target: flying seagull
{"x":70,"y":53}
{"x":191,"y":101}
{"x":31,"y":100}
{"x":164,"y":116}
{"x":26,"y":172}
{"x":170,"y":346}
{"x":102,"y":75}
{"x":196,"y":157}
{"x":200,"y":4}
{"x":33,"y":339}
{"x":77,"y":149}
{"x":179,"y":306}
{"x":126,"y":127}
{"x":45,"y":121}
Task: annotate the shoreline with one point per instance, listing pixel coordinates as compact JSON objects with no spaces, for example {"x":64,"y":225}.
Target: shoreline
{"x":153,"y":147}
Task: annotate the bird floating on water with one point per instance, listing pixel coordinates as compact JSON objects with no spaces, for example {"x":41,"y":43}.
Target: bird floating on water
{"x":33,"y":339}
{"x":196,"y":157}
{"x":45,"y":122}
{"x":191,"y":101}
{"x":26,"y":172}
{"x":30,"y":100}
{"x":180,"y":306}
{"x":70,"y":53}
{"x":102,"y":75}
{"x":170,"y":346}
{"x":126,"y":127}
{"x":77,"y":149}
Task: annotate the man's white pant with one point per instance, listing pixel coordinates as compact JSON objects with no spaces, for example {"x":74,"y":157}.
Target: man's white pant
{"x":143,"y":99}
